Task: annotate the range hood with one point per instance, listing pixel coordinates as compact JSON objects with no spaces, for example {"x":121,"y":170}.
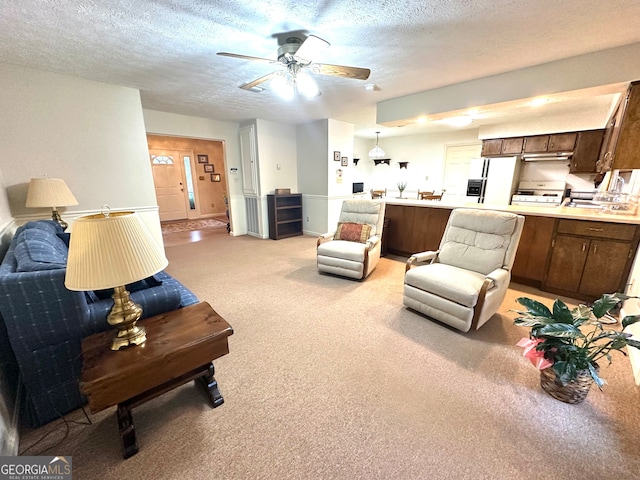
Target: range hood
{"x":547,"y":157}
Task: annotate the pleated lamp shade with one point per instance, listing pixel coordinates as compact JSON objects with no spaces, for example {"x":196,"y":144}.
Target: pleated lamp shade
{"x":49,"y":192}
{"x":111,"y":250}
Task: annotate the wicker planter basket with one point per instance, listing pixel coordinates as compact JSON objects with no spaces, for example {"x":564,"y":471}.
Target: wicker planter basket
{"x":574,"y":392}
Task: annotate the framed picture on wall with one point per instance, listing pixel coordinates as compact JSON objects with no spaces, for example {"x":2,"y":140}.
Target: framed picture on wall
{"x":203,"y":158}
{"x":344,"y":161}
{"x":215,"y":177}
{"x":208,"y":168}
{"x":336,"y":156}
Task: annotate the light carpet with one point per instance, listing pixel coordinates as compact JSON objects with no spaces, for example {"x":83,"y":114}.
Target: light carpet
{"x":330,"y":378}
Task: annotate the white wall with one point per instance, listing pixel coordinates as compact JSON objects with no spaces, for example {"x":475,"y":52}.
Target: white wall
{"x":313,"y":157}
{"x":90,"y":134}
{"x":425,"y":154}
{"x":277,"y":154}
{"x":277,"y":162}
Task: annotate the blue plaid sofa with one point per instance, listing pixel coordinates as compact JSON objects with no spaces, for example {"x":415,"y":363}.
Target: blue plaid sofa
{"x":44,"y":323}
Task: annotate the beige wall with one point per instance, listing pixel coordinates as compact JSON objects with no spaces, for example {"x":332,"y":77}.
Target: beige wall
{"x":90,"y":134}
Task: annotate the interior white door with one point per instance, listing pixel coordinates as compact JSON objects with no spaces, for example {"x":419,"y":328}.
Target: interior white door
{"x":168,"y":177}
{"x":456,"y":170}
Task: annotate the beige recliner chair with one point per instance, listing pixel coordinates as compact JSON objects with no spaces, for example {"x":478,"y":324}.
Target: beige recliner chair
{"x":353,"y":250}
{"x":464,"y":282}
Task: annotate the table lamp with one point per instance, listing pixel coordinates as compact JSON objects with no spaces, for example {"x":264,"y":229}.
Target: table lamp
{"x":111,"y":250}
{"x":51,"y":193}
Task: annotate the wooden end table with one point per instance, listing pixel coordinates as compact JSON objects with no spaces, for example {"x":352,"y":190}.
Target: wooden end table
{"x":181,"y":346}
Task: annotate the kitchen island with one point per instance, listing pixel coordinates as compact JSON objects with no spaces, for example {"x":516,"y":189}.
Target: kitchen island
{"x":577,"y":252}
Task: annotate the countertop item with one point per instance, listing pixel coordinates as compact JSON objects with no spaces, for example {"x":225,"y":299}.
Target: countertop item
{"x":554,"y":212}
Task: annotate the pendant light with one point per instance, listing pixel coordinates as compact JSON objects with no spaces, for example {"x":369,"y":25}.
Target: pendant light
{"x":376,"y":152}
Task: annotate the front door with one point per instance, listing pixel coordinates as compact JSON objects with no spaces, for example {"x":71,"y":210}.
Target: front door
{"x":168,"y":178}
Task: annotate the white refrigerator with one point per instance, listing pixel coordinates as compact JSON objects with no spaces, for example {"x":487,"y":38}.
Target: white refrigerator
{"x":497,"y":177}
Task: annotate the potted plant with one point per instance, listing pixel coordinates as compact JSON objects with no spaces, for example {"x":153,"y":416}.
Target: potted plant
{"x":566,"y":344}
{"x":401,"y":187}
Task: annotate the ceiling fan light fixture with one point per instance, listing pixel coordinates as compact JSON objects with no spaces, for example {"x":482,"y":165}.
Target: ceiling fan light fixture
{"x":282,"y":84}
{"x":305,"y":85}
{"x":376,"y":152}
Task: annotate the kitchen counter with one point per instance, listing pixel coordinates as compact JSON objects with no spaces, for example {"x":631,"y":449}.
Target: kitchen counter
{"x":575,"y":213}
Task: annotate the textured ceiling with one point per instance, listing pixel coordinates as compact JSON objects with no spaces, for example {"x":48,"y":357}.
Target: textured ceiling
{"x":167,"y":49}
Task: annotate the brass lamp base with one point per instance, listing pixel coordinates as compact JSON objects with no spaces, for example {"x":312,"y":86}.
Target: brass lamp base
{"x":55,"y":216}
{"x":124,"y":315}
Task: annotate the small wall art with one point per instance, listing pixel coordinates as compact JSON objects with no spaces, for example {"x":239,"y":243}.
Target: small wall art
{"x":215,"y":177}
{"x":203,"y":158}
{"x":344,"y":161}
{"x":336,"y":156}
{"x":208,"y":168}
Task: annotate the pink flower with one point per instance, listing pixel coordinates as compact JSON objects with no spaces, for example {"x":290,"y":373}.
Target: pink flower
{"x":536,"y":357}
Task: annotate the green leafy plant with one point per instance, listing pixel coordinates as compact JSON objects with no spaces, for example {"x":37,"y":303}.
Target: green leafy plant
{"x":571,"y":340}
{"x":401,"y":186}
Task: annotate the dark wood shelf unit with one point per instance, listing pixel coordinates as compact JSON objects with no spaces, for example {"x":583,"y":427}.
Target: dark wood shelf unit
{"x":285,"y":215}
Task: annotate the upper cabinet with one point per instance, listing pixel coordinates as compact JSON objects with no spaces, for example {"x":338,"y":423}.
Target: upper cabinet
{"x":622,"y":149}
{"x":512,"y":146}
{"x":586,"y":151}
{"x":491,"y":147}
{"x":562,"y":142}
{"x":585,"y":145}
{"x":495,"y":147}
{"x":557,"y":142}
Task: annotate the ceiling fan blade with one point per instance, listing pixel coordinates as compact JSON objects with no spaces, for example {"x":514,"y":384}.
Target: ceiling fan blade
{"x":250,"y":85}
{"x":310,"y":48}
{"x":246,"y":57}
{"x":341,"y":71}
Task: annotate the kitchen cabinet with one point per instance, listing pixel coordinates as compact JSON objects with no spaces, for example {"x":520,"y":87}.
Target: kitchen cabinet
{"x":536,"y":144}
{"x":589,"y":259}
{"x":512,"y":146}
{"x":562,"y":142}
{"x":556,"y":142}
{"x":586,"y":152}
{"x":414,"y":229}
{"x":533,"y":249}
{"x":624,"y":147}
{"x":502,"y":146}
{"x":400,"y":232}
{"x":491,"y":147}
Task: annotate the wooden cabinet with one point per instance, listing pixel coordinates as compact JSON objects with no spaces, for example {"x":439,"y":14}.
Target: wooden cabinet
{"x":536,"y":144}
{"x":502,"y":146}
{"x":531,"y":258}
{"x":587,"y":151}
{"x":562,"y":142}
{"x":400,"y":232}
{"x":491,"y":147}
{"x":512,"y":146}
{"x":624,"y":147}
{"x":285,"y":215}
{"x":551,"y":143}
{"x":589,"y":259}
{"x":557,"y":142}
{"x":414,"y":229}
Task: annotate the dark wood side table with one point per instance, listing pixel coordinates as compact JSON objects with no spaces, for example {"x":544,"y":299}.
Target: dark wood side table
{"x":181,"y":346}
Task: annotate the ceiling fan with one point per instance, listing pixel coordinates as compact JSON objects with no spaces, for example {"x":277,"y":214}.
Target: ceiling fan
{"x":296,"y":56}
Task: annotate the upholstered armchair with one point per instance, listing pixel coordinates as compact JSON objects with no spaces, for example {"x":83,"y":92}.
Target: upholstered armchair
{"x":353,"y":249}
{"x":464,"y":282}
